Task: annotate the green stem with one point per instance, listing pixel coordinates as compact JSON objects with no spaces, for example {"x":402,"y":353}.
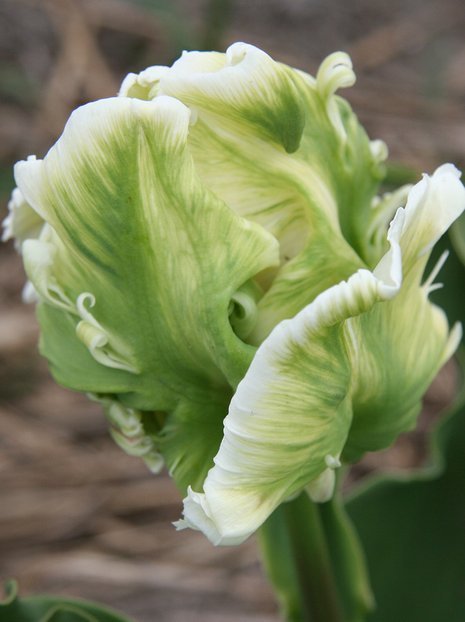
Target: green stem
{"x":314,"y":561}
{"x":302,"y":543}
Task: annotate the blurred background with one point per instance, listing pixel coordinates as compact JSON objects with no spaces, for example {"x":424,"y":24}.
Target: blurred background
{"x":77,"y":516}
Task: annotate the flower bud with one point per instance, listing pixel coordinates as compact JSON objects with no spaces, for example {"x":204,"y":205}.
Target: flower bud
{"x":212,"y":262}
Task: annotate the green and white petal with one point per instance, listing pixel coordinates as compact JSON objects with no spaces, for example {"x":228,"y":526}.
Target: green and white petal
{"x":241,"y":99}
{"x":158,"y":255}
{"x":345,"y":375}
{"x":290,"y":417}
{"x":246,"y":86}
{"x":398,"y":347}
{"x":71,"y":362}
{"x":46,"y":262}
{"x":321,"y":489}
{"x":22,"y":222}
{"x":237,"y":96}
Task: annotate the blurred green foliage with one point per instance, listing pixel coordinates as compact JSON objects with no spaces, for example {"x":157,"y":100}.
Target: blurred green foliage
{"x":413,"y":532}
{"x":50,"y":609}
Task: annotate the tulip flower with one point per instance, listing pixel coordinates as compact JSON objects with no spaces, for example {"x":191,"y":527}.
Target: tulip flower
{"x":211,"y":261}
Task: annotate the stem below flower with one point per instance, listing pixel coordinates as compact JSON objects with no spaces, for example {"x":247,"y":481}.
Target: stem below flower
{"x":302,"y":542}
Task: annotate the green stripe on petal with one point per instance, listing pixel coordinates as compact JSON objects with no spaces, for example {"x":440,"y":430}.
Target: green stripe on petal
{"x":157,"y":255}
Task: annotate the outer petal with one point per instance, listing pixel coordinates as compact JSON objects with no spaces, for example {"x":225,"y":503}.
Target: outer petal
{"x":142,"y":261}
{"x":347,"y":372}
{"x":399,"y":347}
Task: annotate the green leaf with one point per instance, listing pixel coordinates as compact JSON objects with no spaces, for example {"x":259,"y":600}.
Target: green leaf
{"x":412,"y":529}
{"x":52,"y":609}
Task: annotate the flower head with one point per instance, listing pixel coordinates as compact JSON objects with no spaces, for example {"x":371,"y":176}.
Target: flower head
{"x":211,"y":243}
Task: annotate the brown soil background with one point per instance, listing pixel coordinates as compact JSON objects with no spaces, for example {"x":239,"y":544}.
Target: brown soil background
{"x":77,"y":516}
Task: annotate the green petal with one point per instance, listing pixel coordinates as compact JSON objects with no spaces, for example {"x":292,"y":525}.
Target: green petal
{"x":140,"y":258}
{"x":399,"y":347}
{"x":191,"y":437}
{"x":70,"y":361}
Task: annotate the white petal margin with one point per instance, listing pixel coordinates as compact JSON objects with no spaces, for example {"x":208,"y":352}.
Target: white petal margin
{"x":432,"y":206}
{"x":293,"y":409}
{"x":228,"y":76}
{"x":143,"y":85}
{"x":22,"y":222}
